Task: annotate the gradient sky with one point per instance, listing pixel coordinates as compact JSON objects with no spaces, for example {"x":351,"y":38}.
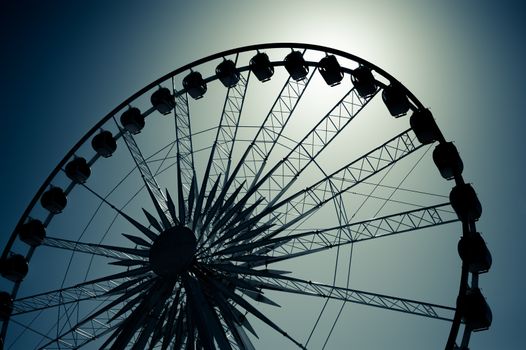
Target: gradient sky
{"x":64,"y":66}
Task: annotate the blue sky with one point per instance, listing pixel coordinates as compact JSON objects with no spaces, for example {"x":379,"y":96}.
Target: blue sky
{"x":66,"y":65}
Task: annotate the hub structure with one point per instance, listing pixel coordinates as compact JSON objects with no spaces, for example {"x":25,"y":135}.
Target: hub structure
{"x":173,"y":251}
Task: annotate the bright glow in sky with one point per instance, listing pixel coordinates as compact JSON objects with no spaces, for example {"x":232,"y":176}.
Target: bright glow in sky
{"x":64,"y":66}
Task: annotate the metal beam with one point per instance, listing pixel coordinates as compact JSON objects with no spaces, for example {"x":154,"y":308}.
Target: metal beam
{"x":114,"y":252}
{"x":298,"y":286}
{"x":158,"y":198}
{"x":321,"y":239}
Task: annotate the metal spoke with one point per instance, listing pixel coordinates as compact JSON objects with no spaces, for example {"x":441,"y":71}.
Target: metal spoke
{"x":220,"y":157}
{"x":298,"y":286}
{"x":146,"y":231}
{"x":228,"y":128}
{"x":169,"y":330}
{"x":207,"y":321}
{"x":153,"y":188}
{"x":139,"y":318}
{"x":110,"y":317}
{"x":99,"y":322}
{"x":95,"y":289}
{"x":233,"y":325}
{"x":183,"y":138}
{"x":81,"y":338}
{"x":115,"y":252}
{"x":311,"y":241}
{"x":248,"y":307}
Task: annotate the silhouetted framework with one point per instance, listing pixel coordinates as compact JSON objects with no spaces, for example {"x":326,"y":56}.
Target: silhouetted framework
{"x":183,"y":132}
{"x":256,"y":154}
{"x":293,"y":285}
{"x":149,"y":180}
{"x":202,"y":225}
{"x":221,"y":155}
{"x":317,"y":240}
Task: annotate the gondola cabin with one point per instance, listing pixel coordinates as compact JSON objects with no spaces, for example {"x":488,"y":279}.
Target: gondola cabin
{"x":132,"y":120}
{"x":14,"y":267}
{"x":54,"y":200}
{"x":78,"y":170}
{"x":261,"y":67}
{"x":32,"y":232}
{"x":227,"y":73}
{"x":104,"y":144}
{"x":465,"y":202}
{"x":363,"y":81}
{"x":424,"y":126}
{"x":395,"y":99}
{"x":474,"y":252}
{"x":296,"y":66}
{"x":163,"y":101}
{"x":195,"y":85}
{"x":330,"y":70}
{"x":447,"y":160}
{"x":475,"y":310}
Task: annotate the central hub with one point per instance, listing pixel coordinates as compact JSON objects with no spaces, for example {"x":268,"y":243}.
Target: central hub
{"x":173,"y":251}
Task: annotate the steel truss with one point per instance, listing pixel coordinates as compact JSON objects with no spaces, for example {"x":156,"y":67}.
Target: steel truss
{"x":155,"y":192}
{"x":297,"y":286}
{"x":183,"y":139}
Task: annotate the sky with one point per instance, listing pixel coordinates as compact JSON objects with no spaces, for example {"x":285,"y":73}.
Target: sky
{"x":64,"y":65}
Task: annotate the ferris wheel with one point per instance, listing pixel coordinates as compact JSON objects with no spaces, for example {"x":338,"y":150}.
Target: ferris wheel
{"x":200,"y":208}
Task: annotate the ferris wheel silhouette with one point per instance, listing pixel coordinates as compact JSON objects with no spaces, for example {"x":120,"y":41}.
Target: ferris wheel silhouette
{"x":189,"y":210}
